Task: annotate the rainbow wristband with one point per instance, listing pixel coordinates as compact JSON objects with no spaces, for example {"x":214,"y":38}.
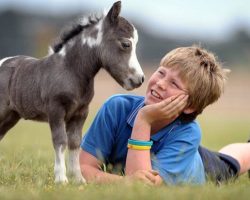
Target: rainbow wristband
{"x":137,"y":147}
{"x":140,"y":142}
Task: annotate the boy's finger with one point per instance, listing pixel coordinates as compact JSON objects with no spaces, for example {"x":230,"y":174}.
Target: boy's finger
{"x":177,"y":101}
{"x":145,"y":177}
{"x":169,"y":105}
{"x":170,"y":101}
{"x":154,"y":172}
{"x":150,"y":176}
{"x":174,"y":97}
{"x":181,"y":105}
{"x":180,"y":97}
{"x":177,"y":106}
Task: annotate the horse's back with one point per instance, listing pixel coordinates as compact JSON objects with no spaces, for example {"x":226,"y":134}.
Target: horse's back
{"x":8,"y":66}
{"x":14,"y":61}
{"x":20,"y":84}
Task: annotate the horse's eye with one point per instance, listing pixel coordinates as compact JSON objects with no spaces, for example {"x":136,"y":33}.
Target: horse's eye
{"x":126,"y":44}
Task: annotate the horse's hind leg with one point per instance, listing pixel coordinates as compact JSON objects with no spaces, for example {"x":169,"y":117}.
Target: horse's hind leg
{"x":7,"y":122}
{"x":74,"y":130}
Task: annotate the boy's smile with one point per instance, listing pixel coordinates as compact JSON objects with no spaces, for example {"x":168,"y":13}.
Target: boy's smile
{"x":164,"y":83}
{"x":156,"y":95}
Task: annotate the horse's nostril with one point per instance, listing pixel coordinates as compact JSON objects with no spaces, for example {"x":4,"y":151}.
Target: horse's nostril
{"x":142,"y":79}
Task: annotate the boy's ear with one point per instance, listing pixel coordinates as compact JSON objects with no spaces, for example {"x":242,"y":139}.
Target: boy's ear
{"x":188,"y":110}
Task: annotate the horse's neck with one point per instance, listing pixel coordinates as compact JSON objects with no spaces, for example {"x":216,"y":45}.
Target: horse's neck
{"x":83,"y":62}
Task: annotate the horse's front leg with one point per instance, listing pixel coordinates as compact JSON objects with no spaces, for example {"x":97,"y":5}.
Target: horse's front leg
{"x":59,"y":138}
{"x":74,"y":131}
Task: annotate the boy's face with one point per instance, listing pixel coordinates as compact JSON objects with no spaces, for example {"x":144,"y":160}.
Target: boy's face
{"x":164,"y":83}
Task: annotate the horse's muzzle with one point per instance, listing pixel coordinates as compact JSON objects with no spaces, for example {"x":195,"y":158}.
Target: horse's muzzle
{"x":132,"y":83}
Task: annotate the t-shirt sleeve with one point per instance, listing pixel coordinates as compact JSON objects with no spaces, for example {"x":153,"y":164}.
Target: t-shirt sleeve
{"x":99,"y":138}
{"x":177,"y":160}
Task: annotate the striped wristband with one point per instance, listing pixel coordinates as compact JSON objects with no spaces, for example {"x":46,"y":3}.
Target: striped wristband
{"x":139,"y":144}
{"x":136,"y":147}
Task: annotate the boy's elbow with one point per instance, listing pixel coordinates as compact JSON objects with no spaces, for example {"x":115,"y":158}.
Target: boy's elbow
{"x":87,"y":172}
{"x":89,"y":166}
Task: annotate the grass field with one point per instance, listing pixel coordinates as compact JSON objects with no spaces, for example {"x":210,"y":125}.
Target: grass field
{"x":27,"y":157}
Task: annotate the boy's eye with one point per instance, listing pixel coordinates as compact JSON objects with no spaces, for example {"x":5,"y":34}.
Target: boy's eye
{"x":175,"y":85}
{"x":160,"y":72}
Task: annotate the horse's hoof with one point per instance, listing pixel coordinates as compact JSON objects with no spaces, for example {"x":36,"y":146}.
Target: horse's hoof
{"x":79,"y":180}
{"x":82,"y":180}
{"x":61,"y":180}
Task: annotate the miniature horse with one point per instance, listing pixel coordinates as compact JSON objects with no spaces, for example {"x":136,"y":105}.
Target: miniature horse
{"x":59,"y":87}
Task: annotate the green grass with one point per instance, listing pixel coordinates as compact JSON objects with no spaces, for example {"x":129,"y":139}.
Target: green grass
{"x":27,"y":157}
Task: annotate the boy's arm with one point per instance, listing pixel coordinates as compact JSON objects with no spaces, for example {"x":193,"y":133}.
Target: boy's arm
{"x":138,"y":160}
{"x":99,"y":138}
{"x":166,"y":110}
{"x":91,"y":169}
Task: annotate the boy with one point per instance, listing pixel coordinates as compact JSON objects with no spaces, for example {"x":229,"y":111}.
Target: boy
{"x":156,"y":138}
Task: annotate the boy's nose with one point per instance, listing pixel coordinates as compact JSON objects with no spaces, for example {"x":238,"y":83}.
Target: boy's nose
{"x":162,"y":84}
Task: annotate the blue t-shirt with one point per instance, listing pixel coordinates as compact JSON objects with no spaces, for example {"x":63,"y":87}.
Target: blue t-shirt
{"x":174,"y":153}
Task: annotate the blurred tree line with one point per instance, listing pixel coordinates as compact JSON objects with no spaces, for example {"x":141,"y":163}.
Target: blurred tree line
{"x":31,"y":34}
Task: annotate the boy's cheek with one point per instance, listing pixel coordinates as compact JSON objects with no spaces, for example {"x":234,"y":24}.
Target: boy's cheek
{"x":173,"y":94}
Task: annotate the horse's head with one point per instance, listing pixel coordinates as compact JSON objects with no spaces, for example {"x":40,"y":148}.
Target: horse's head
{"x":113,"y":40}
{"x":118,"y":49}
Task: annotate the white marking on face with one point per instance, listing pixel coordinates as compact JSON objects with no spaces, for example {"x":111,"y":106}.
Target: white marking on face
{"x":127,"y":83}
{"x":4,"y":59}
{"x":50,"y":51}
{"x":90,"y":41}
{"x":133,"y":61}
{"x":59,"y":168}
{"x":62,"y":52}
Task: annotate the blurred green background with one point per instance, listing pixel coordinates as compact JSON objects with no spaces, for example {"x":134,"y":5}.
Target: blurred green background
{"x":28,"y":27}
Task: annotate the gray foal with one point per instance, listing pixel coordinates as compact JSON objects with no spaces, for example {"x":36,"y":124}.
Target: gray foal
{"x":59,"y":87}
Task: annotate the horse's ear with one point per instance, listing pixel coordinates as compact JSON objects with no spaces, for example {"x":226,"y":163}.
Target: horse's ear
{"x":114,"y":12}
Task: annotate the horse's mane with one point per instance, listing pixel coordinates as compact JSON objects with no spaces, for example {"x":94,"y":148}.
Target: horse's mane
{"x":70,"y":31}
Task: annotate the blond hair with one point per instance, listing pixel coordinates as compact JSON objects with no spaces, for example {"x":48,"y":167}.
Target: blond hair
{"x":200,"y":70}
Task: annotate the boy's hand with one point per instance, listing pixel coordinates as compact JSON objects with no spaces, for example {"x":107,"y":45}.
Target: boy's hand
{"x":150,"y":177}
{"x":167,"y":109}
